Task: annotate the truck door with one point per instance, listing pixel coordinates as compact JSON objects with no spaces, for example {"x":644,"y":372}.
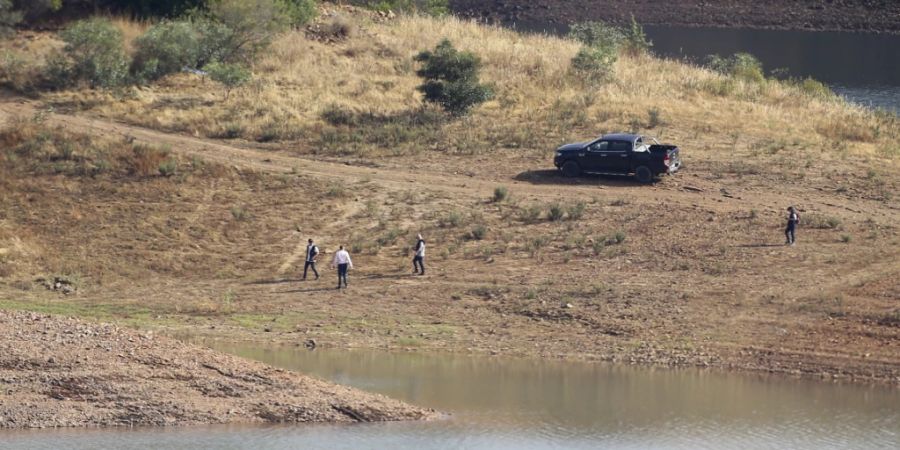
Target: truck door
{"x":595,"y":155}
{"x":618,"y":157}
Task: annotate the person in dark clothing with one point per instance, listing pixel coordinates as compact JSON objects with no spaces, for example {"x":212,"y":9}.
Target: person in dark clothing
{"x":419,"y":255}
{"x":790,"y":232}
{"x":312,"y":253}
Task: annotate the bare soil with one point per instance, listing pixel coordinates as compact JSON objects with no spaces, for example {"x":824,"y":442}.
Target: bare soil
{"x":63,"y":372}
{"x":848,"y":15}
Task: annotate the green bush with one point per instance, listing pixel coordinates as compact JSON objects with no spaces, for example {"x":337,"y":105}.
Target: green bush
{"x":555,"y":212}
{"x":93,"y":54}
{"x":500,"y":194}
{"x":244,"y":28}
{"x":165,"y":48}
{"x":451,"y":78}
{"x":479,"y":232}
{"x":299,"y":12}
{"x":229,"y":75}
{"x":739,"y":65}
{"x":576,"y":211}
{"x":597,"y":34}
{"x":814,"y":88}
{"x":8,"y":17}
{"x":595,"y":63}
{"x":635,"y":42}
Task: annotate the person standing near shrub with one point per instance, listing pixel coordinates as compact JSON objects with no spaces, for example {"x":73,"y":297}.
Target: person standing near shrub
{"x":312,"y":253}
{"x":791,"y":231}
{"x":342,"y":262}
{"x":419,"y":255}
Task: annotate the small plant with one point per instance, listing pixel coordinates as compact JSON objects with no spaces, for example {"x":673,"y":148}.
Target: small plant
{"x":635,"y":42}
{"x":530,"y":214}
{"x":479,"y":232}
{"x":530,"y":294}
{"x":845,"y":238}
{"x":740,"y":65}
{"x":501,"y":193}
{"x":555,"y":212}
{"x":534,"y":245}
{"x":618,"y":238}
{"x":299,"y":12}
{"x":451,"y":79}
{"x":576,"y":211}
{"x":595,"y":64}
{"x":239,"y":213}
{"x":336,"y":190}
{"x":229,"y":75}
{"x":168,"y":167}
{"x":654,"y":118}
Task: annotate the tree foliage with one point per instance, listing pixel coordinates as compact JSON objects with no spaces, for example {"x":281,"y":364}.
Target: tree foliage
{"x":165,"y":48}
{"x":451,"y":78}
{"x":93,"y":53}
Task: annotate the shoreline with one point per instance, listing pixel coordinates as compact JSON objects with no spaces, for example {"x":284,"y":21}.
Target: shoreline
{"x":808,"y":15}
{"x":62,"y":373}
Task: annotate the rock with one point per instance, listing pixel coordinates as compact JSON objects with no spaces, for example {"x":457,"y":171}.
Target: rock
{"x":310,"y":344}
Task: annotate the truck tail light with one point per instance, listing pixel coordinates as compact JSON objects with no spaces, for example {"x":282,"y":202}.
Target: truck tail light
{"x":666,"y":159}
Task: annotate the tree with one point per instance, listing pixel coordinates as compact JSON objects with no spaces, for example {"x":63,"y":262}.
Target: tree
{"x":8,"y":17}
{"x":451,"y":78}
{"x":250,"y":26}
{"x":93,"y":53}
{"x":165,"y":48}
{"x":229,"y":75}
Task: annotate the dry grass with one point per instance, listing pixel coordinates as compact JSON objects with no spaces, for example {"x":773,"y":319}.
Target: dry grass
{"x":301,"y":81}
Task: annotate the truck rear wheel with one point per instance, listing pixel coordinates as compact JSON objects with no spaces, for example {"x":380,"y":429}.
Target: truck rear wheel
{"x":643,"y":174}
{"x":571,"y":169}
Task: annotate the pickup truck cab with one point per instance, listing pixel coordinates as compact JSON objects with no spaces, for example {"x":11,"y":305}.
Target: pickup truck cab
{"x":618,"y":154}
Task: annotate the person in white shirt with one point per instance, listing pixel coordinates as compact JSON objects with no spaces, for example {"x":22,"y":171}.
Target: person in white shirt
{"x":419,"y":255}
{"x":312,"y":253}
{"x":342,"y":261}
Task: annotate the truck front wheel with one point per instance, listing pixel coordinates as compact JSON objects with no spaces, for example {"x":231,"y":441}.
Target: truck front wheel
{"x":571,"y":169}
{"x":643,"y":174}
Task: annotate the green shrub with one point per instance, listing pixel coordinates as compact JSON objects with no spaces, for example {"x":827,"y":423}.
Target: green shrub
{"x":166,"y":48}
{"x":739,"y":65}
{"x":595,"y":63}
{"x":93,"y":53}
{"x":597,"y":34}
{"x":245,"y":27}
{"x":429,"y":7}
{"x":229,"y":75}
{"x":451,"y":78}
{"x":479,"y":232}
{"x":8,"y":17}
{"x":555,"y":212}
{"x":168,"y":167}
{"x":530,"y":214}
{"x":619,"y":237}
{"x":635,"y":42}
{"x":576,"y":211}
{"x":501,"y":193}
{"x":299,"y":12}
{"x":814,"y":88}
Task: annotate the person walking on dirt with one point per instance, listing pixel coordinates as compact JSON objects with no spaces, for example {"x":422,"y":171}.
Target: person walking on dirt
{"x":342,"y":262}
{"x":419,"y":255}
{"x":312,"y":253}
{"x":791,"y":231}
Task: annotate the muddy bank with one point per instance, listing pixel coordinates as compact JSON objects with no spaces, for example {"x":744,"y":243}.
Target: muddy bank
{"x":848,"y":15}
{"x":60,"y":372}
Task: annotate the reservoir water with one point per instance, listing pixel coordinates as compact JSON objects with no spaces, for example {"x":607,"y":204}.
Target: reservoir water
{"x":863,"y":67}
{"x":501,"y":403}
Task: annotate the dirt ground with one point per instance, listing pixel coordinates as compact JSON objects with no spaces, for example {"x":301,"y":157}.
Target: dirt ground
{"x":60,"y":372}
{"x":854,"y":15}
{"x":690,"y":271}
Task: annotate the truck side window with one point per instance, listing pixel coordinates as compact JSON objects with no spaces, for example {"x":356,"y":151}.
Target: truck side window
{"x":620,"y":146}
{"x":599,"y":146}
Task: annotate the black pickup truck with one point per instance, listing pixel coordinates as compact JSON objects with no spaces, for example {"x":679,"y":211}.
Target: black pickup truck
{"x":618,"y":154}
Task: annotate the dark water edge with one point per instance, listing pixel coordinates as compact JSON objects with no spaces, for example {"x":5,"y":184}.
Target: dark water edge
{"x":862,"y":67}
